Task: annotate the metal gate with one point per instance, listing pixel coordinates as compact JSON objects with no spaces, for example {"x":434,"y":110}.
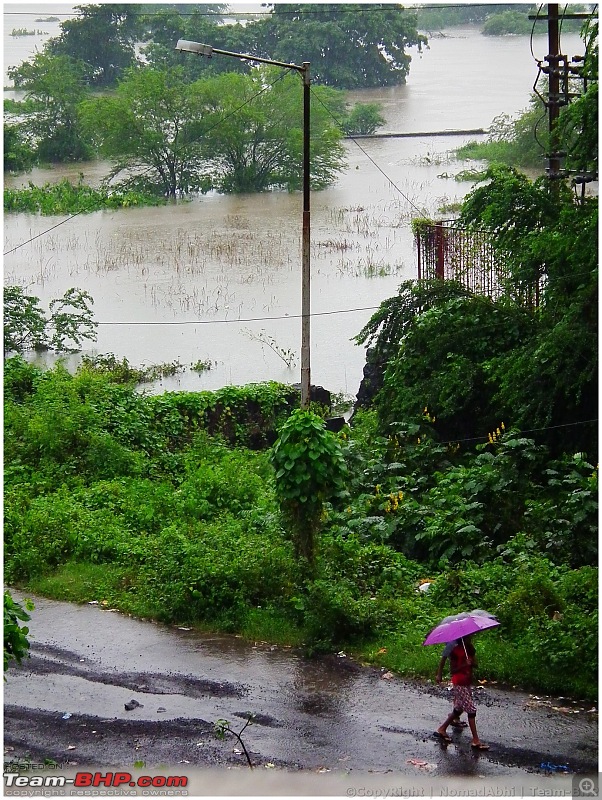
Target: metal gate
{"x":448,"y":252}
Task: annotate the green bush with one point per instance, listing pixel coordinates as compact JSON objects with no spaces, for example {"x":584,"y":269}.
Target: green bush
{"x":16,"y":643}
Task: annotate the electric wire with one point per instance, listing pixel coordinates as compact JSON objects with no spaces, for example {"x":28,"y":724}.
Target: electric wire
{"x":368,"y":156}
{"x":368,"y":9}
{"x":243,"y":319}
{"x":482,"y":326}
{"x":521,"y":431}
{"x":537,"y":61}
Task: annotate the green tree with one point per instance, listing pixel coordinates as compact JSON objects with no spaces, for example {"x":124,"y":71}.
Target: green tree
{"x":578,"y":123}
{"x":26,"y":326}
{"x":350,"y":46}
{"x":254,"y":139}
{"x":550,"y":380}
{"x":231,"y":132}
{"x":19,"y":156}
{"x":53,"y":85}
{"x":103,"y":38}
{"x":150,"y":126}
{"x":163,"y":28}
{"x":508,"y":22}
{"x":363,"y":119}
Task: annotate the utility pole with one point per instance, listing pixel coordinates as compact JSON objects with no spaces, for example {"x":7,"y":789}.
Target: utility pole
{"x":554,"y":100}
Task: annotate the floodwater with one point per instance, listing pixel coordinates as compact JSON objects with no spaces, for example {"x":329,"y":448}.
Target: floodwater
{"x":67,"y":702}
{"x":218,"y":278}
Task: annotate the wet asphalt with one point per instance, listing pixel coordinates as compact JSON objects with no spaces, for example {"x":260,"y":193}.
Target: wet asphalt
{"x":67,"y":702}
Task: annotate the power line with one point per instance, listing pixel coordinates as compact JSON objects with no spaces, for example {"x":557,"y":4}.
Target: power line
{"x":367,"y":9}
{"x":245,"y":319}
{"x":530,"y":430}
{"x":368,"y":156}
{"x":482,"y":326}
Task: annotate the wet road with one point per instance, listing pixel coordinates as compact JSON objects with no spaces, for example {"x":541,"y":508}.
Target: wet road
{"x":317,"y":715}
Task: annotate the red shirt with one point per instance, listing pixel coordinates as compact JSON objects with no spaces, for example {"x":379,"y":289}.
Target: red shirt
{"x":461,"y":670}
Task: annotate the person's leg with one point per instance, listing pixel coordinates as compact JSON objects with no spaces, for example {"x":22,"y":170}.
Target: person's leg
{"x":442,"y":729}
{"x":456,"y":721}
{"x":454,"y":717}
{"x":476,"y":742}
{"x":471,"y":711}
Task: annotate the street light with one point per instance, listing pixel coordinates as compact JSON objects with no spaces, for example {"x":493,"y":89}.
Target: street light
{"x":185,"y":46}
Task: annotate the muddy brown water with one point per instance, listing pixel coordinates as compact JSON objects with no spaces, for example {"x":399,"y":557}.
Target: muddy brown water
{"x":67,"y":703}
{"x":218,"y":278}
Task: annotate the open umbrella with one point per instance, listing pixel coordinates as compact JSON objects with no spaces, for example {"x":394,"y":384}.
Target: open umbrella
{"x":459,"y":625}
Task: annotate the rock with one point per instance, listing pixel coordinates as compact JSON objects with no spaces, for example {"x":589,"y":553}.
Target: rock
{"x":132,"y":705}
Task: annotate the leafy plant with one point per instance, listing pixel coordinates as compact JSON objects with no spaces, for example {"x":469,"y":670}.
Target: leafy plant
{"x":363,"y":119}
{"x":27,"y":328}
{"x":65,"y":197}
{"x":309,"y":470}
{"x":222,"y":727}
{"x":288,"y":356}
{"x":16,"y":643}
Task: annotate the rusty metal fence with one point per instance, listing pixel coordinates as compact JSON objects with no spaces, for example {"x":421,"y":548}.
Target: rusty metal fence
{"x":448,"y":252}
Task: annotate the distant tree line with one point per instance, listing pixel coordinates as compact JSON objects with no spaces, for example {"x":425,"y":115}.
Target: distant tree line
{"x":495,"y":19}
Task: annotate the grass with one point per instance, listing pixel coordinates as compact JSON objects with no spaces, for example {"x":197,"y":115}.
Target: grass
{"x":271,"y":625}
{"x":502,"y":663}
{"x":80,"y":583}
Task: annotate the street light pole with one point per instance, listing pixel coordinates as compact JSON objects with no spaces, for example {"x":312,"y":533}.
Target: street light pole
{"x":305,"y":250}
{"x":185,"y":46}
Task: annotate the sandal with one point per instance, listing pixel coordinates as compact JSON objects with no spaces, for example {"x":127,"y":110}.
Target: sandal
{"x":459,"y":724}
{"x":443,"y":737}
{"x":479,"y":746}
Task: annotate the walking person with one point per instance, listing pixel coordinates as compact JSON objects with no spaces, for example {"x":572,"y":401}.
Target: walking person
{"x":462,"y":659}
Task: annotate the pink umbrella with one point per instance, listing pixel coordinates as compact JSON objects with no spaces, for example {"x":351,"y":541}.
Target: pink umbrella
{"x":461,"y":625}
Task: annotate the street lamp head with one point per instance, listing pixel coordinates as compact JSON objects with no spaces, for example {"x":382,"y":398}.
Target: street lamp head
{"x":184,"y":46}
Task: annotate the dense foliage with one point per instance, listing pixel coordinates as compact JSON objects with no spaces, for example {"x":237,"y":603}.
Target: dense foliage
{"x":234,"y":133}
{"x":102,"y":37}
{"x":48,"y":121}
{"x":349,"y":45}
{"x":118,"y":497}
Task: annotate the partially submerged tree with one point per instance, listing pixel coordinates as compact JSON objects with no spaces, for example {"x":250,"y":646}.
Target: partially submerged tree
{"x":103,"y":38}
{"x":254,"y":138}
{"x":54,"y":86}
{"x":150,"y":127}
{"x":234,"y":133}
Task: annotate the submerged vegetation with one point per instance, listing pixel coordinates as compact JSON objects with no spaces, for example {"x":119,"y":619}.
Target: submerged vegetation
{"x":68,"y":198}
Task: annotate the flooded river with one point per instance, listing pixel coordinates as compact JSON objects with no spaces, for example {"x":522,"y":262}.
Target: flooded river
{"x":214,"y":279}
